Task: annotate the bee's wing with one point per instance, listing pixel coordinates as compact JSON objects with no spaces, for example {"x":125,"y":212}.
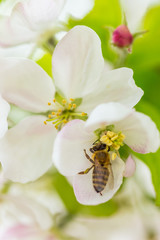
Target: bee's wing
{"x":111,"y":178}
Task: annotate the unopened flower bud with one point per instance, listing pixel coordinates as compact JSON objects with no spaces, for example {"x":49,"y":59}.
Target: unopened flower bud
{"x":122,"y":37}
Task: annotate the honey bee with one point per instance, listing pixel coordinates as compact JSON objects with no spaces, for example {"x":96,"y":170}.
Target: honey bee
{"x":102,"y":169}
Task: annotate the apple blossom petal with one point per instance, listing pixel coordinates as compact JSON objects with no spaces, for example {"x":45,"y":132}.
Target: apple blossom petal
{"x":25,"y":84}
{"x":83,"y":186}
{"x":141,"y":133}
{"x":26,"y":149}
{"x":24,"y":50}
{"x":4,"y":111}
{"x":78,"y":62}
{"x":28,"y":20}
{"x":130,"y":167}
{"x":68,"y":154}
{"x":107,"y":114}
{"x":14,"y":30}
{"x":115,"y":86}
{"x":39,"y":14}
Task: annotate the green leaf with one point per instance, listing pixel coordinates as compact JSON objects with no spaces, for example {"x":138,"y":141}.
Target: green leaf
{"x":104,"y":13}
{"x":46,"y":63}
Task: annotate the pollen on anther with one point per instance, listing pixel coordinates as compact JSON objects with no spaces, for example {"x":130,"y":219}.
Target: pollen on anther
{"x":54,"y":100}
{"x":53,"y":113}
{"x":45,"y":122}
{"x":64,"y":101}
{"x":59,"y":110}
{"x":74,"y":105}
{"x":72,"y":99}
{"x":83,"y":114}
{"x":49,"y":103}
{"x":65,"y":121}
{"x":49,"y":116}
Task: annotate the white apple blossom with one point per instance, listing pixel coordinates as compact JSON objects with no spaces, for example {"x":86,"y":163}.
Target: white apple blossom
{"x":112,"y":125}
{"x":80,"y":77}
{"x":30,"y":21}
{"x":4,"y":111}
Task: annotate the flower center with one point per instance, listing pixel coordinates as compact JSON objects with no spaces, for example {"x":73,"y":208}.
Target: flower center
{"x":111,"y":140}
{"x":62,"y":112}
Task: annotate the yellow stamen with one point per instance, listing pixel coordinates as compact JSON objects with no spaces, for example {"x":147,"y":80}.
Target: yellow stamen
{"x":122,"y":136}
{"x":114,"y":155}
{"x":53,"y":113}
{"x":72,"y":99}
{"x":49,"y":103}
{"x":54,"y":100}
{"x":65,"y":121}
{"x":116,"y":146}
{"x":74,"y":105}
{"x":57,"y":114}
{"x":45,"y":122}
{"x":59,"y":110}
{"x":49,"y":116}
{"x":110,"y":134}
{"x":64,"y":101}
{"x":115,"y":137}
{"x":83,"y":114}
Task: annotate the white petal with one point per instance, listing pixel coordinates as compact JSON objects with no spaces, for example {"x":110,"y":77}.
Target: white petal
{"x":24,"y":50}
{"x":141,"y":133}
{"x":134,"y":11}
{"x":25,"y":84}
{"x":85,"y":192}
{"x":14,"y":30}
{"x":130,"y":167}
{"x":4,"y":111}
{"x":107,"y":114}
{"x":39,"y":14}
{"x":78,"y":62}
{"x":68,"y":154}
{"x":114,"y":86}
{"x":28,"y":20}
{"x":26,"y":149}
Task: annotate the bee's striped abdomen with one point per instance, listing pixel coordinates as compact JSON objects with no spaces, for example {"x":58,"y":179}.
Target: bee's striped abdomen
{"x":100,"y":178}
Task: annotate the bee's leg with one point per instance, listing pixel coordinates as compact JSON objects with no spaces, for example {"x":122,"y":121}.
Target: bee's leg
{"x":100,"y":194}
{"x":87,"y":170}
{"x":88,"y":157}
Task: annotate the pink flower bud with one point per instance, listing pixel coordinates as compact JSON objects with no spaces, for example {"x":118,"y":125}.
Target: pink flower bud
{"x":122,"y":37}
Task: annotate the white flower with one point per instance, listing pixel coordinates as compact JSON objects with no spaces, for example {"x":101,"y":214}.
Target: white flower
{"x":4,"y":111}
{"x":79,"y":73}
{"x":112,"y":125}
{"x":30,"y":21}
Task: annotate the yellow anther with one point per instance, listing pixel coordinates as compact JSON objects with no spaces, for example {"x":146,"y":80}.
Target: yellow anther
{"x":83,"y":114}
{"x":110,"y":134}
{"x":72,"y":99}
{"x":54,"y":100}
{"x":105,"y":139}
{"x":45,"y":122}
{"x":69,"y":105}
{"x":122,"y":136}
{"x":64,"y":101}
{"x":114,"y":137}
{"x":74,"y":105}
{"x":49,"y":116}
{"x":49,"y":103}
{"x":56,"y":127}
{"x":114,"y":155}
{"x":57,"y":114}
{"x":116,"y":146}
{"x":53,"y":113}
{"x":59,"y":110}
{"x":65,"y":121}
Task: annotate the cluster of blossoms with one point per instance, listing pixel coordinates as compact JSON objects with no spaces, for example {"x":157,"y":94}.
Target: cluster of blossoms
{"x":83,"y":89}
{"x":82,"y":120}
